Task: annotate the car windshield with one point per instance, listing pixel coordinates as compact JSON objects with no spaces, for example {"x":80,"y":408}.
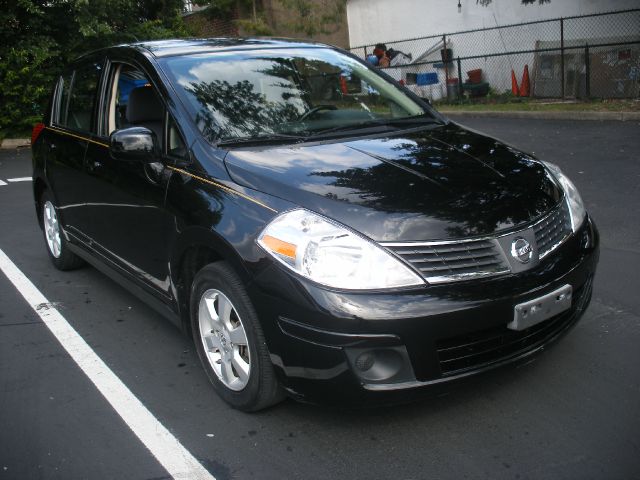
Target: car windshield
{"x":285,"y":93}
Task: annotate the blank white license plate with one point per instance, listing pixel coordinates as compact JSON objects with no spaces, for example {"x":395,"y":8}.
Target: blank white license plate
{"x":540,"y":309}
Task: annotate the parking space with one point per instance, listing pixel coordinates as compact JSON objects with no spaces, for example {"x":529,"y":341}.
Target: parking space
{"x":572,"y":413}
{"x":54,"y":420}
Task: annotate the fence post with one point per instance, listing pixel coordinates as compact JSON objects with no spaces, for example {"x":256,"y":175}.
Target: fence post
{"x":562,"y":58}
{"x":460,"y":92}
{"x":445,"y":57}
{"x":587,"y":72}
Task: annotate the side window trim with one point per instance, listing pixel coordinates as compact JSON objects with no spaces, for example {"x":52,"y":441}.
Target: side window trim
{"x":103,"y":100}
{"x":59,"y":109}
{"x":169,"y":119}
{"x":55,"y":107}
{"x":95,"y":120}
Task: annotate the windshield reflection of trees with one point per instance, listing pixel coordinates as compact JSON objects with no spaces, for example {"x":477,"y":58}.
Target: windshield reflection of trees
{"x":230,"y":110}
{"x":474,"y":202}
{"x":236,"y":110}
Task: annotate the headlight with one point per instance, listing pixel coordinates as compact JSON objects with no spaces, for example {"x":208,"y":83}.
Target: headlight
{"x":332,"y":255}
{"x":574,"y":201}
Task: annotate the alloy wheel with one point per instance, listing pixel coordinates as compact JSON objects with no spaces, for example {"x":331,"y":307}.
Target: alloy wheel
{"x":52,"y":229}
{"x":224,"y":339}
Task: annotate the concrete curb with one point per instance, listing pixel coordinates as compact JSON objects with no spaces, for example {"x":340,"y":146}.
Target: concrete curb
{"x":8,"y":143}
{"x":550,"y":115}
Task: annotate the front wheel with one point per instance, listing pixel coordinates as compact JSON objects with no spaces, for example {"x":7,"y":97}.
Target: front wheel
{"x":229,"y":340}
{"x":57,"y":247}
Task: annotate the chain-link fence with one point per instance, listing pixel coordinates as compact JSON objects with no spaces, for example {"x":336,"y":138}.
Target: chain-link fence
{"x":588,"y":56}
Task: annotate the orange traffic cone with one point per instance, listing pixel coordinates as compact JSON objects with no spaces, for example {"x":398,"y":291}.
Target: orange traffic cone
{"x":514,"y":84}
{"x":525,"y":84}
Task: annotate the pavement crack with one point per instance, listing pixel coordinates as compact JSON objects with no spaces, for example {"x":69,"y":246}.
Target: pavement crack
{"x":20,"y":323}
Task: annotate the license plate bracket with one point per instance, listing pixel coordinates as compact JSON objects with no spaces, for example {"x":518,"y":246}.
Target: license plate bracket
{"x":539,"y":309}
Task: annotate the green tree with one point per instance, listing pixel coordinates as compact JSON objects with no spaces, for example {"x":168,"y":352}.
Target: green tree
{"x":38,"y":37}
{"x":306,"y":16}
{"x":313,"y":17}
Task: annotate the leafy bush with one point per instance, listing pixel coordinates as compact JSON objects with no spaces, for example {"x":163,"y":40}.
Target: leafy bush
{"x":25,"y":79}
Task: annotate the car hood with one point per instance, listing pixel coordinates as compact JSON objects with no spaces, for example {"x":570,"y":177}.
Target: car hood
{"x":436,"y":182}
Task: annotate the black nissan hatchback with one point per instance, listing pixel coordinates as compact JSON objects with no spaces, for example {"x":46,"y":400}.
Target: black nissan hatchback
{"x":317,"y":228}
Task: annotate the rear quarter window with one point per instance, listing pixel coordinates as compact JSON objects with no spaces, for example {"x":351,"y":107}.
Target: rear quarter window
{"x":78,"y":96}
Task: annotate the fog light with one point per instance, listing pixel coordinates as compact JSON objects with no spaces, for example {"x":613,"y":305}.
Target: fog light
{"x":365,"y":361}
{"x":382,"y":364}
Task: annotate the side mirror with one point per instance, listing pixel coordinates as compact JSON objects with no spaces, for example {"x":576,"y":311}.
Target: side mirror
{"x":134,"y":143}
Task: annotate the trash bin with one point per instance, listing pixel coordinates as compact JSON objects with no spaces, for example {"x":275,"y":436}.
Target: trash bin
{"x":452,"y":88}
{"x":475,"y":76}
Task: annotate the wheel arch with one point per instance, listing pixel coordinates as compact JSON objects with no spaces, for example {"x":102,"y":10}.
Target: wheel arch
{"x":195,"y":248}
{"x":39,"y":187}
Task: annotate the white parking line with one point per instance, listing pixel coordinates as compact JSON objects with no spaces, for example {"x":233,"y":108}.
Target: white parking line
{"x":2,"y":183}
{"x":19,"y":179}
{"x":164,"y":446}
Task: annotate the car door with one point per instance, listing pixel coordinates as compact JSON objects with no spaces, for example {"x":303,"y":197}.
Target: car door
{"x":67,"y":139}
{"x":126,"y":217}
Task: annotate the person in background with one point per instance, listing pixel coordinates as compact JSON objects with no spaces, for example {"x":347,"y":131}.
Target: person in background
{"x":380,"y":51}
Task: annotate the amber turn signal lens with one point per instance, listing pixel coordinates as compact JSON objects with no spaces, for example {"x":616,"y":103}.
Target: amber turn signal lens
{"x":278,"y":246}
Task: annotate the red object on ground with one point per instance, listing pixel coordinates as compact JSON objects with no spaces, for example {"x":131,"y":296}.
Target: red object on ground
{"x":525,"y":85}
{"x":343,"y":85}
{"x":514,"y":84}
{"x":35,"y":133}
{"x":475,"y":76}
{"x":452,"y":81}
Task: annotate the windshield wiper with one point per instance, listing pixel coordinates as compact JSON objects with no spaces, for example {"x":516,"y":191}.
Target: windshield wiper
{"x":297,"y":138}
{"x":378,"y":122}
{"x":342,"y":128}
{"x":419,"y":119}
{"x":270,"y":137}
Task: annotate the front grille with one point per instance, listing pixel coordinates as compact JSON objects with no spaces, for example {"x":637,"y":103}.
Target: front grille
{"x":552,"y":230}
{"x":479,"y":350}
{"x":447,"y":261}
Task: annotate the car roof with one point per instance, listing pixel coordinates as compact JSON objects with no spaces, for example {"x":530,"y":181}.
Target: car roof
{"x":166,"y":48}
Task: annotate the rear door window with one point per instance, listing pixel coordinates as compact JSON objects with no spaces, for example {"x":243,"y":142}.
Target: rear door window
{"x":78,"y":97}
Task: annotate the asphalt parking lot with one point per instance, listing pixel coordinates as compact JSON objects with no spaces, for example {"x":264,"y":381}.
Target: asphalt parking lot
{"x":574,"y":412}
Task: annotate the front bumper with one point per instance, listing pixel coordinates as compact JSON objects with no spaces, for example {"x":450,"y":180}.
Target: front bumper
{"x":345,"y":347}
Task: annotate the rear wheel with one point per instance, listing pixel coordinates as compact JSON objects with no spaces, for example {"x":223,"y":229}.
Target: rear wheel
{"x":229,"y":340}
{"x":57,"y":246}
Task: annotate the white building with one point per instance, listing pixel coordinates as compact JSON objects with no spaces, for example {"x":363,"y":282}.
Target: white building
{"x":386,"y":21}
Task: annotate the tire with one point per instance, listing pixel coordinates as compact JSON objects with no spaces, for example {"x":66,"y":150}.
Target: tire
{"x":55,"y":243}
{"x":229,"y":340}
